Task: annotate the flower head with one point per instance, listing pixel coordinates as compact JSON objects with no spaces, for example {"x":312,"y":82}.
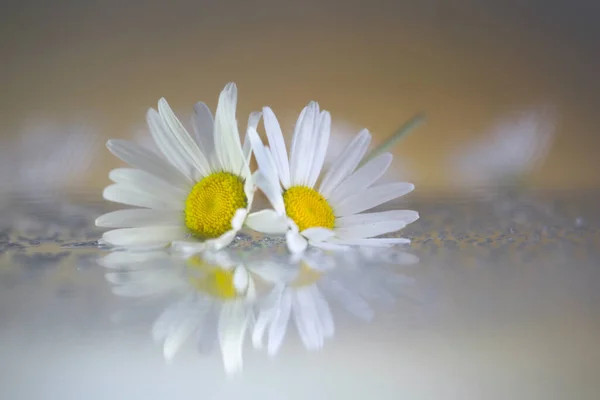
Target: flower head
{"x":324,"y":210}
{"x":201,"y":187}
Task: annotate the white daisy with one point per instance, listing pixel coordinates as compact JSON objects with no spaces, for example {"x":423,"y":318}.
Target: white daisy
{"x":210,"y":297}
{"x":325,"y":214}
{"x":201,"y":188}
{"x":514,"y":148}
{"x":306,"y":300}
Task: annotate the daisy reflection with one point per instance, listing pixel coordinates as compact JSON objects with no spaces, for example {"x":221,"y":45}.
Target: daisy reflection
{"x":214,"y":296}
{"x":322,"y":278}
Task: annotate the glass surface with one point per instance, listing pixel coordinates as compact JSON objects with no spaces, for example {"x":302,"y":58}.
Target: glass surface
{"x":496,"y":297}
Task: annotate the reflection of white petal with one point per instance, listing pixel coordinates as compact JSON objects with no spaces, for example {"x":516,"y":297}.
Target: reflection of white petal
{"x":266,"y":315}
{"x":351,"y":301}
{"x":233,"y":322}
{"x":278,"y":327}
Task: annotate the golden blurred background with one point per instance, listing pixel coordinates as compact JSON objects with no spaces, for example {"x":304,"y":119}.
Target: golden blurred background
{"x":372,"y":64}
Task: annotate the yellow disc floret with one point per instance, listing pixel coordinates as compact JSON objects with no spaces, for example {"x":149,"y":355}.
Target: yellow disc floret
{"x":308,"y":208}
{"x":211,"y":279}
{"x":212,"y":204}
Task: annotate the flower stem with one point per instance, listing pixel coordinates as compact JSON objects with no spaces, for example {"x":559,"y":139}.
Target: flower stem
{"x":391,"y":141}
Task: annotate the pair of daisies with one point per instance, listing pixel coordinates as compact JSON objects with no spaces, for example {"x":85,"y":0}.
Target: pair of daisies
{"x":202,"y":188}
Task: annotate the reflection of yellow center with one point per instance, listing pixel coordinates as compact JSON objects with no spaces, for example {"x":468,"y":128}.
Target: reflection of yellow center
{"x":212,"y":204}
{"x":306,"y":276}
{"x":308,"y":208}
{"x":211,"y":279}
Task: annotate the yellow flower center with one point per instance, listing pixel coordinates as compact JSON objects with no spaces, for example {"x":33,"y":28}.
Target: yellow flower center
{"x":308,"y":208}
{"x":211,"y":279}
{"x":212,"y":204}
{"x":306,"y":276}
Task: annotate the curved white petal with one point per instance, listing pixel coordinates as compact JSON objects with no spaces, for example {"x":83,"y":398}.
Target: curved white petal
{"x":407,"y":216}
{"x":169,"y":145}
{"x":320,"y":146}
{"x":222,"y":241}
{"x":377,"y":195}
{"x":188,"y":247}
{"x":362,"y":178}
{"x":227,"y":139}
{"x":278,"y":326}
{"x":203,"y":125}
{"x":253,"y":121}
{"x":317,"y":234}
{"x":136,"y":218}
{"x":146,"y":235}
{"x":302,"y":156}
{"x":267,"y":221}
{"x":345,"y":163}
{"x":369,"y":229}
{"x":144,"y":159}
{"x":187,"y":144}
{"x":233,"y":322}
{"x":142,"y":181}
{"x":238,"y":218}
{"x":295,"y":242}
{"x":375,"y":242}
{"x":127,"y":195}
{"x":277,"y":146}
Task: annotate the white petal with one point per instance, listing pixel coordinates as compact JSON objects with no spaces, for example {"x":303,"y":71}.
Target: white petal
{"x":122,"y":259}
{"x":295,"y":242}
{"x":408,"y":216}
{"x":267,"y":221}
{"x":144,"y":159}
{"x":266,"y":178}
{"x":178,"y":336}
{"x":136,"y":218}
{"x":222,"y":241}
{"x":241,"y":280}
{"x":142,"y":181}
{"x":204,"y":126}
{"x":168,"y":144}
{"x":233,"y":322}
{"x":362,"y":178}
{"x":277,"y":146}
{"x":302,"y":145}
{"x":320,"y":145}
{"x":307,"y":319}
{"x":253,"y":121}
{"x":345,"y":163}
{"x":278,"y":327}
{"x":329,"y":246}
{"x":238,"y":219}
{"x":323,"y":312}
{"x":147,"y":235}
{"x":373,"y":197}
{"x":351,"y":301}
{"x":188,"y":247}
{"x":371,"y":229}
{"x":127,"y":195}
{"x":318,"y":234}
{"x":375,"y":242}
{"x":227,"y":139}
{"x":187,"y":144}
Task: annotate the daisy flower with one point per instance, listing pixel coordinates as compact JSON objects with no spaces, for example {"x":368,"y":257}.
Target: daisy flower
{"x":513,"y":149}
{"x":201,"y":188}
{"x":209,"y":297}
{"x":326,"y":214}
{"x":305,"y":300}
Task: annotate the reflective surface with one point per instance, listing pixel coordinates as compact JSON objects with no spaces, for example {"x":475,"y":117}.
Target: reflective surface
{"x":498,"y":299}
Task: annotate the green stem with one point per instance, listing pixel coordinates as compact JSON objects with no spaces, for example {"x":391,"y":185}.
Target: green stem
{"x":402,"y":132}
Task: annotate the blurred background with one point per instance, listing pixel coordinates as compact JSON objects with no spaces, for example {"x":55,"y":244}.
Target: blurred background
{"x":75,"y":73}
